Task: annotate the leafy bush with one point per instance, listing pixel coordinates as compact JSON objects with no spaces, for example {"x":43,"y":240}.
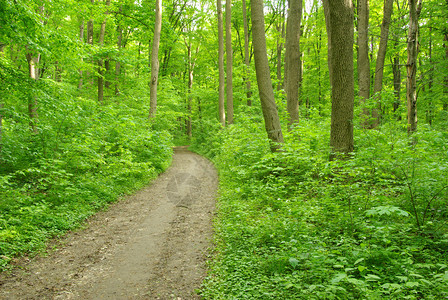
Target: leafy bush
{"x":294,"y":225}
{"x":84,"y":157}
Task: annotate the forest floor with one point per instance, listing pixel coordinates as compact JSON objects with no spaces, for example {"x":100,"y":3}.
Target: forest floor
{"x":151,"y":245}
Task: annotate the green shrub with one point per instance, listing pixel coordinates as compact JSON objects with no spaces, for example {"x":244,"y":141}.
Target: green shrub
{"x":293,"y":225}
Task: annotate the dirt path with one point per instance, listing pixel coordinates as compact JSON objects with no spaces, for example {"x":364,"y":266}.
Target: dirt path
{"x":151,"y":245}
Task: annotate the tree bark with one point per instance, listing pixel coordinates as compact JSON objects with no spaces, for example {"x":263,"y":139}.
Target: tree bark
{"x":33,"y":59}
{"x":280,"y":27}
{"x":411,"y":66}
{"x":379,"y":68}
{"x":57,"y":72}
{"x":292,"y":58}
{"x":117,"y":63}
{"x":268,"y":106}
{"x":363,"y":58}
{"x":106,"y":73}
{"x":246,"y":56}
{"x":90,"y":42}
{"x":222,"y":112}
{"x":229,"y":63}
{"x":340,"y":23}
{"x":155,"y":60}
{"x":100,"y":61}
{"x":445,"y":87}
{"x":190,"y":86}
{"x":33,"y":71}
{"x":397,"y":78}
{"x":430,"y":107}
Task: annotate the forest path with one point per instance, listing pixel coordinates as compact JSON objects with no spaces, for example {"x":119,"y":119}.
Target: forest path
{"x":151,"y":245}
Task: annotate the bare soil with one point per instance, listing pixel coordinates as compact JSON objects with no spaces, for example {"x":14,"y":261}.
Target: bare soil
{"x":151,"y":245}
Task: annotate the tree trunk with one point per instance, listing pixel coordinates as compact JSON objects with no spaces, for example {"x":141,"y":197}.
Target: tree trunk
{"x":57,"y":72}
{"x":155,"y":60}
{"x":33,"y":70}
{"x":280,"y":26}
{"x":190,"y":86}
{"x":222,"y":112}
{"x":411,"y":66}
{"x":246,"y":56}
{"x":268,"y":106}
{"x":100,"y":61}
{"x":229,"y":62}
{"x":81,"y":38}
{"x":379,"y":68}
{"x":33,"y":59}
{"x":445,"y":86}
{"x":90,"y":42}
{"x":397,"y":78}
{"x":363,"y":58}
{"x":340,"y":24}
{"x":106,"y":73}
{"x":429,"y":110}
{"x":292,"y":58}
{"x":117,"y":63}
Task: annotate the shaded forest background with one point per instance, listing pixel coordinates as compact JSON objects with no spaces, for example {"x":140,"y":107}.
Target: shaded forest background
{"x":75,"y":134}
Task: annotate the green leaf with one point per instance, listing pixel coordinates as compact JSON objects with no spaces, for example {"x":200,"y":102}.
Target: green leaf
{"x":412,"y":284}
{"x":293,"y":262}
{"x":361,"y":268}
{"x":338,"y":277}
{"x":371,"y":277}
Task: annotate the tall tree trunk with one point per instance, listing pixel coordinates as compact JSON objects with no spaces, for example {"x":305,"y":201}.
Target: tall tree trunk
{"x":292,"y":58}
{"x":397,"y":77}
{"x":246,"y":56}
{"x":155,"y":60}
{"x":117,"y":63}
{"x":411,"y":66}
{"x":363,"y":58}
{"x":190,"y":86}
{"x":33,"y":59}
{"x":90,"y":42}
{"x":379,"y":68}
{"x":100,"y":61}
{"x":33,"y":71}
{"x":222,"y":111}
{"x":268,"y":106}
{"x":280,"y":27}
{"x":317,"y":51}
{"x":229,"y":62}
{"x":429,"y":110}
{"x":340,"y":24}
{"x":445,"y":86}
{"x":106,"y":73}
{"x":57,"y":72}
{"x":81,"y":38}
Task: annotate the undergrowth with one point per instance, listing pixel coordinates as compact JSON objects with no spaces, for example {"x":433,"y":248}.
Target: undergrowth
{"x":294,"y":225}
{"x":84,"y":157}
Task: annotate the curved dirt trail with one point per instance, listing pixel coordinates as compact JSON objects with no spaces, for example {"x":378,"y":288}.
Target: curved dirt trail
{"x":151,"y":245}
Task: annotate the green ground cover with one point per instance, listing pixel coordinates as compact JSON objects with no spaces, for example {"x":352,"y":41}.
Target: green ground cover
{"x":294,"y":225}
{"x":84,"y":157}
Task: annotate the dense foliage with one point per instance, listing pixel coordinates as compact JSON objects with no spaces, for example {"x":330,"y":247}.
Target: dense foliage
{"x":75,"y":154}
{"x":296,"y":225}
{"x":84,"y":157}
{"x":293,"y":224}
